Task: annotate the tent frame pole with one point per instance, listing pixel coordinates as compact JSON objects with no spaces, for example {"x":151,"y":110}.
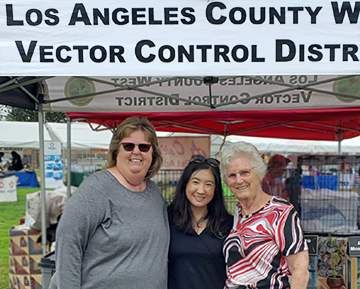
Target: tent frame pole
{"x":42,"y":178}
{"x":68,"y":167}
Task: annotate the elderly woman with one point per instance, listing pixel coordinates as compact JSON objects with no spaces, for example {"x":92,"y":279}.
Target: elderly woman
{"x":265,"y":248}
{"x":114,"y":231}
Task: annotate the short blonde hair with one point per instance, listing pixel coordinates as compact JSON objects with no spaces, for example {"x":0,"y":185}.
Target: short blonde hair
{"x":128,"y":126}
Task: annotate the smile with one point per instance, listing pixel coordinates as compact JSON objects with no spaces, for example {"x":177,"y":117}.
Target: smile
{"x":199,"y":199}
{"x":242,"y":187}
{"x":135,"y":160}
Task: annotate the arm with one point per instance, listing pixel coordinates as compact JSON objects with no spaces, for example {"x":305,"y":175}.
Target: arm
{"x":298,"y":266}
{"x":82,"y":215}
{"x":294,"y":248}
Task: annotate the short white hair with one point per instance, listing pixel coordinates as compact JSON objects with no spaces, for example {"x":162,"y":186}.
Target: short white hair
{"x":239,"y":149}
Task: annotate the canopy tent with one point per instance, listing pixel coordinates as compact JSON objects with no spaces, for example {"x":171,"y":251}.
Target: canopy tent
{"x":289,"y":84}
{"x":186,"y":41}
{"x":268,"y":106}
{"x":293,"y":147}
{"x":315,"y":124}
{"x":26,"y":135}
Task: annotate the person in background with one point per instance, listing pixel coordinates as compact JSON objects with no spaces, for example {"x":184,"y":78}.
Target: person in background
{"x":271,"y":184}
{"x":16,"y":163}
{"x":265,"y":248}
{"x":199,"y":223}
{"x":1,"y":155}
{"x":114,"y":231}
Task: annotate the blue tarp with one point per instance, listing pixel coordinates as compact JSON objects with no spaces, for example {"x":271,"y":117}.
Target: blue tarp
{"x":26,"y":180}
{"x":320,"y":182}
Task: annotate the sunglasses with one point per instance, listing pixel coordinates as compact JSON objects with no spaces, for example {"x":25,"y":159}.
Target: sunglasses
{"x":129,"y":146}
{"x":200,"y":159}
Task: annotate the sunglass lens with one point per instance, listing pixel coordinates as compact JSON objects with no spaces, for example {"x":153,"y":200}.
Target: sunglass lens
{"x":144,"y":147}
{"x":128,"y":146}
{"x":197,"y":159}
{"x":213,"y":162}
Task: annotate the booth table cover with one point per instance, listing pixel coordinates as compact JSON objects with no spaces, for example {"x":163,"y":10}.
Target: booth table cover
{"x":26,"y":180}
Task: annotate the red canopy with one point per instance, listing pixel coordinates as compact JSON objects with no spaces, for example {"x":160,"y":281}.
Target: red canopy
{"x":307,"y":124}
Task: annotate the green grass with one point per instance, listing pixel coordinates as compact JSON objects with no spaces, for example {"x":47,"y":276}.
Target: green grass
{"x":10,"y":214}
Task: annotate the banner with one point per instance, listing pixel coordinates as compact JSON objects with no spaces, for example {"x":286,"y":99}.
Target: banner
{"x":159,"y":94}
{"x":178,"y":38}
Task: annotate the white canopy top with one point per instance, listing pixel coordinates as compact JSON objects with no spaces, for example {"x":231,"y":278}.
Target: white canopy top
{"x":26,"y":135}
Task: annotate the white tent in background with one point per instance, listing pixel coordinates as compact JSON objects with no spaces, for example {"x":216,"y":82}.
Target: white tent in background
{"x":26,"y":135}
{"x":281,"y":146}
{"x":20,"y":134}
{"x":294,"y":147}
{"x":82,"y":136}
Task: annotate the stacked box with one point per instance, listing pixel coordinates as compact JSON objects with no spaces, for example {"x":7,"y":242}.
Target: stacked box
{"x":24,"y":257}
{"x":8,"y":192}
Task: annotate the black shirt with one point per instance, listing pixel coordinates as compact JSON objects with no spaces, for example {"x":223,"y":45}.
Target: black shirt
{"x":196,"y":261}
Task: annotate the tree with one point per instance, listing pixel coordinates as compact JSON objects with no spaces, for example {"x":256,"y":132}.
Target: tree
{"x":19,"y":114}
{"x":4,"y":110}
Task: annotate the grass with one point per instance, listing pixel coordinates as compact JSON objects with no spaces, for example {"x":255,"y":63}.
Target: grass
{"x":10,"y":214}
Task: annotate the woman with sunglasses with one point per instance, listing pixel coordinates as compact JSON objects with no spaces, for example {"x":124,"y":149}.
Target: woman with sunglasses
{"x":199,"y":223}
{"x":114,"y":231}
{"x":265,"y":248}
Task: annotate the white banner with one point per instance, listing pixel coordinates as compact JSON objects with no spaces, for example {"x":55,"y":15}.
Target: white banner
{"x":179,"y":38}
{"x":191,"y":94}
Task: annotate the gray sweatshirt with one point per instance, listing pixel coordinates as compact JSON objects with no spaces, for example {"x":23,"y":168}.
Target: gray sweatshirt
{"x":111,"y":237}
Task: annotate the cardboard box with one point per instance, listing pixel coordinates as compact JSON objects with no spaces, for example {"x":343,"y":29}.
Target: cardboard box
{"x":8,"y":192}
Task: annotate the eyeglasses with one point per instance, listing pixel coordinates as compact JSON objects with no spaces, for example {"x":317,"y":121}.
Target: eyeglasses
{"x":200,"y":159}
{"x":129,"y":146}
{"x":243,"y":174}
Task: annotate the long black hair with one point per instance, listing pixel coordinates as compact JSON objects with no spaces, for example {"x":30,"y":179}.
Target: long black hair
{"x":180,"y":209}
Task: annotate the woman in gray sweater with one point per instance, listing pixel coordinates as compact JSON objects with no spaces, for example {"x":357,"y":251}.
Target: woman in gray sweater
{"x":114,"y":231}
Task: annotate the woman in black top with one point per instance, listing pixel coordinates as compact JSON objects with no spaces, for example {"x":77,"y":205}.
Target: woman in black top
{"x":199,"y":223}
{"x":16,"y":164}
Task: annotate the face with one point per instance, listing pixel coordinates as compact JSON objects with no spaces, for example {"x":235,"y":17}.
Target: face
{"x":134,"y":161}
{"x":201,"y":188}
{"x":242,"y":179}
{"x":277,"y":172}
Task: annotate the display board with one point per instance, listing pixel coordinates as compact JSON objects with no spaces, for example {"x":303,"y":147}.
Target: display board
{"x":177,"y":151}
{"x":53,"y":165}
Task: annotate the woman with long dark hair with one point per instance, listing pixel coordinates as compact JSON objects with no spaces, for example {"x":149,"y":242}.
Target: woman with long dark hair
{"x":199,"y":223}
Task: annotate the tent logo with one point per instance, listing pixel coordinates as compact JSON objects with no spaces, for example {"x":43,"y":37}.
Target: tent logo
{"x":79,"y":86}
{"x":350,"y":86}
